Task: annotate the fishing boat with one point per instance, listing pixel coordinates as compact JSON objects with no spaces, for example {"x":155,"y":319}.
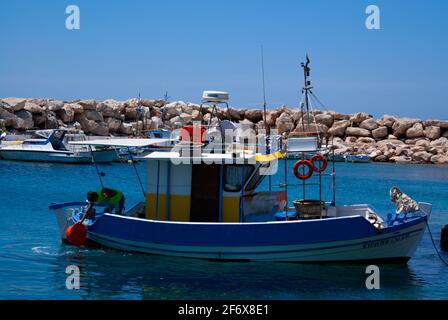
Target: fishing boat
{"x":53,"y":146}
{"x":357,"y":158}
{"x":204,"y":204}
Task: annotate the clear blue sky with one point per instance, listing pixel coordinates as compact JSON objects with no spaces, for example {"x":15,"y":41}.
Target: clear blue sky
{"x":185,"y":47}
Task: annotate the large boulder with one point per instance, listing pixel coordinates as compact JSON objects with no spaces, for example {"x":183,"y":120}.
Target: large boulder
{"x":88,"y":104}
{"x":441,"y":142}
{"x":186,"y":118}
{"x":16,"y":104}
{"x":387,"y":120}
{"x":46,"y":120}
{"x":100,"y":129}
{"x":325,"y":118}
{"x":171,"y":110}
{"x":9,"y":118}
{"x":156,"y":122}
{"x":110,"y":108}
{"x":254,"y":115}
{"x":33,"y":107}
{"x":380,"y":132}
{"x":416,"y":131}
{"x":437,"y":123}
{"x":94,"y":115}
{"x":77,"y":108}
{"x":432,"y":132}
{"x":113,"y":124}
{"x":359,"y":117}
{"x":66,"y":114}
{"x":284,"y":123}
{"x":338,"y":128}
{"x":271,"y":117}
{"x":232,"y":113}
{"x":339,"y":116}
{"x":357,"y":132}
{"x":26,"y":118}
{"x":439,"y":159}
{"x":54,"y":105}
{"x":319,"y":128}
{"x":369,"y":124}
{"x":130,"y":113}
{"x":126,"y":128}
{"x":402,"y":125}
{"x":422,"y":156}
{"x":196,"y":115}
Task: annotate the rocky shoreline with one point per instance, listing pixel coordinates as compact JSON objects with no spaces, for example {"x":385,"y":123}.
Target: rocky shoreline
{"x":387,"y":139}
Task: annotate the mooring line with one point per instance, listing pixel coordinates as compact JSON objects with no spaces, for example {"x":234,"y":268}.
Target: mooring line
{"x":435,"y":246}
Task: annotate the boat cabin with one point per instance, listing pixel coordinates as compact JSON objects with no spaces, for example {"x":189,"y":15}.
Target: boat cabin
{"x":211,"y":188}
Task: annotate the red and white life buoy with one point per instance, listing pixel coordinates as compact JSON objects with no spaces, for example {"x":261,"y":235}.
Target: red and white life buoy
{"x":321,"y":158}
{"x":303,"y":163}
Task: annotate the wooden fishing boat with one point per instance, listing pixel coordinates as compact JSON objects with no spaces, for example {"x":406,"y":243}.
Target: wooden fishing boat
{"x":198,"y":203}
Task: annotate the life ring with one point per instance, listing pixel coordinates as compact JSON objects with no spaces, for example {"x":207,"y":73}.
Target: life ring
{"x":305,"y":163}
{"x":319,"y":157}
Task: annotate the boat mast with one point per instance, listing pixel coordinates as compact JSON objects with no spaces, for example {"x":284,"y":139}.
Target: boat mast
{"x":264,"y":92}
{"x":305,"y":90}
{"x":266,"y":128}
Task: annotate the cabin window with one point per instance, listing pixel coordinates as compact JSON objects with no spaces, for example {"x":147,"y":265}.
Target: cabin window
{"x":233,"y":176}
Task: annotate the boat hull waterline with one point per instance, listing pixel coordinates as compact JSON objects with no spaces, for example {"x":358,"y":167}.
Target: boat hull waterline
{"x":103,"y":156}
{"x":346,"y":240}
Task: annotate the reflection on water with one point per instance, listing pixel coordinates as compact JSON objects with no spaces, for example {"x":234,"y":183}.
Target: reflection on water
{"x":109,"y":274}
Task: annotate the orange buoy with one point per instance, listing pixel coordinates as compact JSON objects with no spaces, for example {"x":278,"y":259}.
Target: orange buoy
{"x":306,"y":164}
{"x":76,"y":234}
{"x":319,"y":157}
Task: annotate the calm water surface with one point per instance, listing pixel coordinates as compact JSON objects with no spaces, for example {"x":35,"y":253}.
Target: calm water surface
{"x":33,"y":260}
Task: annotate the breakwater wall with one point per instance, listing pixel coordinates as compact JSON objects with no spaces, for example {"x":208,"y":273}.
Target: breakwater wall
{"x":387,"y":139}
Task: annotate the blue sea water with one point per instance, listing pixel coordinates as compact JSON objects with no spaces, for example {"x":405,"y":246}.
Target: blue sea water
{"x":33,"y":260}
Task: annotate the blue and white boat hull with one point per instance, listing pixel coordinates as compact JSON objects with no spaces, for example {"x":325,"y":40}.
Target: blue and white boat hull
{"x":344,"y":239}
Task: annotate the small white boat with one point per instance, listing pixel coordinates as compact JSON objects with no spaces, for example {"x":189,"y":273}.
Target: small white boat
{"x":357,"y":158}
{"x":52,"y":146}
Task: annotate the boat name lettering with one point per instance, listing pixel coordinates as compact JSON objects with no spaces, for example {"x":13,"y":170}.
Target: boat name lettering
{"x":380,"y":243}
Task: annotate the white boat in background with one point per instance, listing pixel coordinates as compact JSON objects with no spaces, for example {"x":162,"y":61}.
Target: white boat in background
{"x":53,"y":146}
{"x":357,"y":158}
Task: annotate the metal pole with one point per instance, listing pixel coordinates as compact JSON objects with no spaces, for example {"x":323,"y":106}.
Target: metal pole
{"x":168,"y":185}
{"x":96,"y":167}
{"x":241,"y":219}
{"x":221,"y":182}
{"x":286,"y":188}
{"x":157,"y":190}
{"x":334,"y":181}
{"x":136,"y":172}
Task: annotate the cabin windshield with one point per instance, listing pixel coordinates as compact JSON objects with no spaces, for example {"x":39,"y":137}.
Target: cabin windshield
{"x":56,"y":140}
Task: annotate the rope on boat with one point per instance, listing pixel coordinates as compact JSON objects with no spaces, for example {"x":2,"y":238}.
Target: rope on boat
{"x":435,"y":246}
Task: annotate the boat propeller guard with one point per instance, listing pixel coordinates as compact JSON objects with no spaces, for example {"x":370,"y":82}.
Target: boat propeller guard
{"x":304,"y":164}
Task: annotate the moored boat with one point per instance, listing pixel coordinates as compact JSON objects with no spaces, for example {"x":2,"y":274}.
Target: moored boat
{"x":53,"y":146}
{"x":203,"y":200}
{"x":357,"y":158}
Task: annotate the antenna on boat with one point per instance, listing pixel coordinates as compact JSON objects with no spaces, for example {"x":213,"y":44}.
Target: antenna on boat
{"x":264,"y":90}
{"x":268,"y":147}
{"x":306,"y":89}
